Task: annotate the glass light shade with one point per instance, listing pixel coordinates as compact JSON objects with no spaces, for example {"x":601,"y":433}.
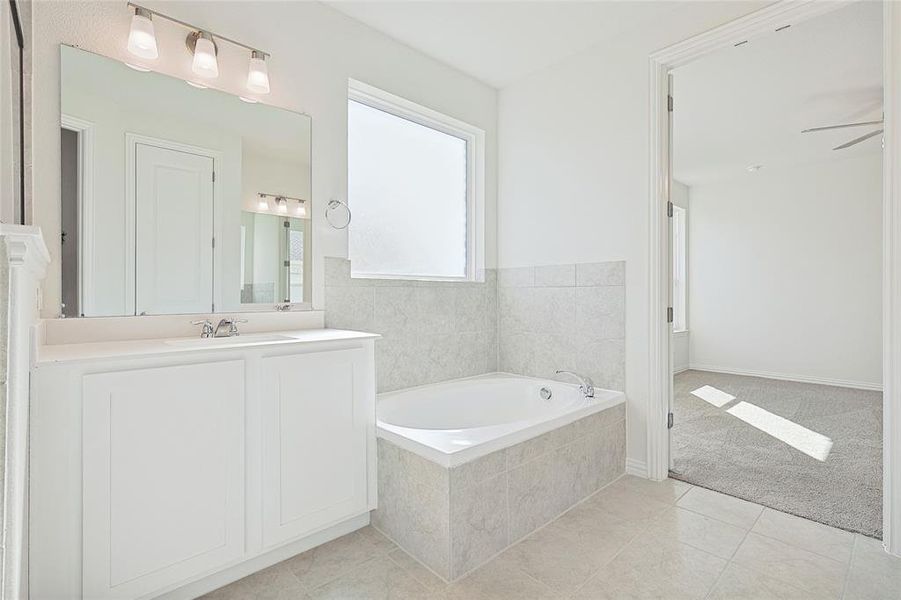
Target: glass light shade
{"x":301,"y":210}
{"x":205,"y":63}
{"x":141,"y":37}
{"x":258,"y":74}
{"x":263,"y":204}
{"x":282,"y":205}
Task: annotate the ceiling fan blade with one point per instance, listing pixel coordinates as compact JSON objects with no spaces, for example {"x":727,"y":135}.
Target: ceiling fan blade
{"x":828,"y":127}
{"x":858,"y":140}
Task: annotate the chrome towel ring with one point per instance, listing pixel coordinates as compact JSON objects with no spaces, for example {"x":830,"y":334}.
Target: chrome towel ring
{"x":336,"y":216}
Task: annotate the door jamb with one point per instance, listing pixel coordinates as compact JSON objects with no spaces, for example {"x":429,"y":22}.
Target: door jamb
{"x":751,"y":26}
{"x":85,"y":131}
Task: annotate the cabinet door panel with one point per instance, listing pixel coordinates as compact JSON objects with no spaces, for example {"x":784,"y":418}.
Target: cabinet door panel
{"x":316,"y":419}
{"x":163,"y":476}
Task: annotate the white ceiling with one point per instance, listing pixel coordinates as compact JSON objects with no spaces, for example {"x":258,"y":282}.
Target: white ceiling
{"x":747,"y":105}
{"x":501,"y":41}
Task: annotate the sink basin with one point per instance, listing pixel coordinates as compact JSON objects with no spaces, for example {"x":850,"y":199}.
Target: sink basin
{"x":237,"y":340}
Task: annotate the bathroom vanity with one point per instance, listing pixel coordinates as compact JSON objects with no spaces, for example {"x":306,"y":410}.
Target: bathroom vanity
{"x":170,"y":467}
{"x":166,"y":461}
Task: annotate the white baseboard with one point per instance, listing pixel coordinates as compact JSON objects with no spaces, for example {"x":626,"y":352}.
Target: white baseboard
{"x":677,"y":370}
{"x":860,"y":385}
{"x":638,"y":468}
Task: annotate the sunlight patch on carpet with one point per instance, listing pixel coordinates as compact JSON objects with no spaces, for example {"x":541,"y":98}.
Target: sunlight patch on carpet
{"x":811,"y":443}
{"x":716,"y":397}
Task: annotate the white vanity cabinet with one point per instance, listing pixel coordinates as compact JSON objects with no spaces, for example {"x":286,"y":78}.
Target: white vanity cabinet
{"x":316,"y":415}
{"x":166,"y":471}
{"x":163,"y":475}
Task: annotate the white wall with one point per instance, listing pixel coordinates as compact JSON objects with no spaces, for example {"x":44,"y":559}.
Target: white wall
{"x":786,"y":272}
{"x":573,"y":176}
{"x":314,"y":50}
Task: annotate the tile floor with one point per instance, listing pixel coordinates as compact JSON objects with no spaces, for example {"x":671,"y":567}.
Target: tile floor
{"x":633,"y":539}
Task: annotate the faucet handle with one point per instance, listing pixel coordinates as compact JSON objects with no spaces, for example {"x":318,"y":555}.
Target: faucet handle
{"x":207,"y":330}
{"x":233,"y":325}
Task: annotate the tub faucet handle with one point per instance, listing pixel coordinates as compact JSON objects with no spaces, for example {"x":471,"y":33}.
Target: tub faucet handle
{"x":586,"y":385}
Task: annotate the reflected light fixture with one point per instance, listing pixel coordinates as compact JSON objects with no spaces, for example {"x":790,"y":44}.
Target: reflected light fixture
{"x":196,"y":84}
{"x":141,"y":37}
{"x":283,"y":203}
{"x":205,"y":63}
{"x":258,"y":73}
{"x":248,"y":100}
{"x":137,"y":68}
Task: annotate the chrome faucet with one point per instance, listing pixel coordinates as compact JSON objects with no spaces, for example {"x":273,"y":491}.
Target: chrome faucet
{"x":231,"y":325}
{"x":586,"y":385}
{"x":207,"y":330}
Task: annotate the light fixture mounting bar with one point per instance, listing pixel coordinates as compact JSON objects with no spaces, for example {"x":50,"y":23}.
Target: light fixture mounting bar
{"x":196,"y":28}
{"x":277,"y":196}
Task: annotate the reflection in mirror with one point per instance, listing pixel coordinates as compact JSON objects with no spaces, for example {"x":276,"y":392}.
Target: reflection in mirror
{"x":177,"y":199}
{"x":272,"y":258}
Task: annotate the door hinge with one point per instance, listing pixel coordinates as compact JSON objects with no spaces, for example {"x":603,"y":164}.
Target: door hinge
{"x":669,"y":420}
{"x":214,"y":176}
{"x":669,"y":314}
{"x":669,"y":103}
{"x":286,"y":263}
{"x":214,"y":242}
{"x":669,"y":209}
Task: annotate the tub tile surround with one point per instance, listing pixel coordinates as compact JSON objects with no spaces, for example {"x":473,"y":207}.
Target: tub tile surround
{"x":454,"y":520}
{"x":563,"y":317}
{"x":632,"y":539}
{"x":528,"y":321}
{"x":431,"y":331}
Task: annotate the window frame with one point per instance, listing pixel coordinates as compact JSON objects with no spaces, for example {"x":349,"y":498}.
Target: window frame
{"x":474,"y":137}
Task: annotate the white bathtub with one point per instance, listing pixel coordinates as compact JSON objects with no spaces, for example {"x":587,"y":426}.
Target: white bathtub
{"x":454,"y":422}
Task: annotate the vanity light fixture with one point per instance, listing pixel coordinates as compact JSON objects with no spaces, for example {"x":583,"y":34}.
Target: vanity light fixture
{"x":282,"y":202}
{"x":141,"y":37}
{"x":258,"y":73}
{"x":201,"y":43}
{"x":204,"y":48}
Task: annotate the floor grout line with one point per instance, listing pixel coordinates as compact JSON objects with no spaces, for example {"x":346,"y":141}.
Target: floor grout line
{"x":850,"y":562}
{"x":730,"y":560}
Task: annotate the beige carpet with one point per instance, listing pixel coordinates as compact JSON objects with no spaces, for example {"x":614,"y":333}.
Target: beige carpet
{"x":715,"y":449}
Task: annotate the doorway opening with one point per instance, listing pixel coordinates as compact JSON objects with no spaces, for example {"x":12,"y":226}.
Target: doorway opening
{"x":778,"y":360}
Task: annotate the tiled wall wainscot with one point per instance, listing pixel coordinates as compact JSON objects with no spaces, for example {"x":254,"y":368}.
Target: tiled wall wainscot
{"x":454,"y":520}
{"x":564,"y":317}
{"x":431,"y":331}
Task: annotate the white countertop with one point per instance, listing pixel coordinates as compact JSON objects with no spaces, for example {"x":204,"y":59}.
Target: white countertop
{"x":58,"y":353}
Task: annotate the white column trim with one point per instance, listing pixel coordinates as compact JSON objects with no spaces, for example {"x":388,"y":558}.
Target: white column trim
{"x":891,"y":282}
{"x":27,"y":261}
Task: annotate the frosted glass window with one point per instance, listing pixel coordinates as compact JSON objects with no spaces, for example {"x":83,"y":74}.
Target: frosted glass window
{"x":407,"y":187}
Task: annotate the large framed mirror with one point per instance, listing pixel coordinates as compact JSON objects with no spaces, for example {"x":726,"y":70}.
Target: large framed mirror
{"x":177,"y":199}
